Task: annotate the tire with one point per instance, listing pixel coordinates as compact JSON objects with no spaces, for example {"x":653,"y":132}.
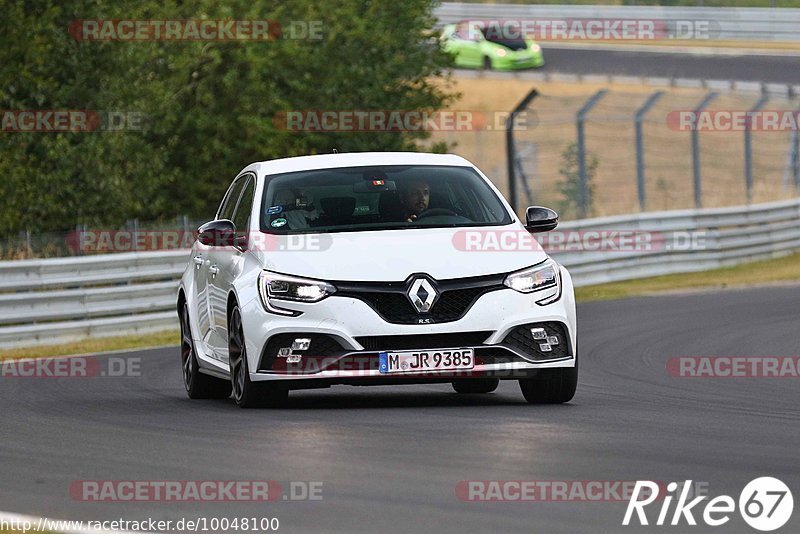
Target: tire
{"x":487,"y":63}
{"x":198,"y":385}
{"x":246,"y":393}
{"x":551,"y":386}
{"x":475,"y":385}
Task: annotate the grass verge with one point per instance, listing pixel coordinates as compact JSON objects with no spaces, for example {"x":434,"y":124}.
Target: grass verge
{"x":786,"y":269}
{"x":96,"y":345}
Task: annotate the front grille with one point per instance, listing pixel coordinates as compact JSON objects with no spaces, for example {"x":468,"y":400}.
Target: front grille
{"x":520,"y":338}
{"x":322,"y":345}
{"x":423,"y":341}
{"x":453,"y":304}
{"x":390,"y":300}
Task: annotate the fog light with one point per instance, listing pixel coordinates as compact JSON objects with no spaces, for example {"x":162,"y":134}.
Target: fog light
{"x":545,"y":347}
{"x":538,"y":333}
{"x":552,"y":340}
{"x":301,"y":343}
{"x":283,"y":352}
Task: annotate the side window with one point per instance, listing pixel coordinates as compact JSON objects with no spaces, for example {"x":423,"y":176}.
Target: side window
{"x":461,"y":32}
{"x":467,"y":32}
{"x":245,"y":207}
{"x":231,"y":197}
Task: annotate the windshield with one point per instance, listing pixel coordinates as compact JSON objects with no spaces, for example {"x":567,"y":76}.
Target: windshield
{"x":352,"y":199}
{"x":494,"y":34}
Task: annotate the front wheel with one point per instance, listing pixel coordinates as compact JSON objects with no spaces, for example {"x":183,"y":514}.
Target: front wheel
{"x":198,"y":385}
{"x":246,"y":393}
{"x":551,"y":386}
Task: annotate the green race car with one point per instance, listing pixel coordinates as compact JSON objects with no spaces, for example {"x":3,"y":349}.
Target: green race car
{"x":473,"y":46}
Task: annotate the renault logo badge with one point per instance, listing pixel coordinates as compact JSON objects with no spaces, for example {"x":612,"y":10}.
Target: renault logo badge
{"x":422,"y":294}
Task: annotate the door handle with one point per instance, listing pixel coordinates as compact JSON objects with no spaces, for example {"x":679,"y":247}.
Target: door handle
{"x":214,"y":270}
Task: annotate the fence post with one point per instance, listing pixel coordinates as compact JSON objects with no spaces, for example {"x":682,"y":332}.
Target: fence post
{"x":28,"y":244}
{"x":796,"y":160}
{"x":510,"y":149}
{"x":698,"y":186}
{"x":79,"y":235}
{"x":640,"y":113}
{"x":583,"y":182}
{"x":523,"y":178}
{"x":748,"y":149}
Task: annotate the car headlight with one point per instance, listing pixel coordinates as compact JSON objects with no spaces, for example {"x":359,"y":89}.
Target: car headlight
{"x":544,"y":277}
{"x":501,"y":52}
{"x":535,"y":48}
{"x":276,"y":287}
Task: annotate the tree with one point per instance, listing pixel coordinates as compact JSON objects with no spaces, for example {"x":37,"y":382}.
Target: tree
{"x":211,"y":105}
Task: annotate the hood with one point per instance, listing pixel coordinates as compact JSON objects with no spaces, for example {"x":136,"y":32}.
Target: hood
{"x":393,"y":255}
{"x":512,"y":44}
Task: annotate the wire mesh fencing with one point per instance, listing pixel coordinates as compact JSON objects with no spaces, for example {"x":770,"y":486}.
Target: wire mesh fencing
{"x":610,"y":152}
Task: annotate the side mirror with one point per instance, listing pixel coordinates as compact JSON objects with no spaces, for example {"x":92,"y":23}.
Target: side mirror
{"x":540,"y":219}
{"x":240,"y":241}
{"x":217,"y":233}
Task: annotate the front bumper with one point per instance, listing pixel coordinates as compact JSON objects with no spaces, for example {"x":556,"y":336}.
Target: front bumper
{"x":513,"y":62}
{"x":347,"y":335}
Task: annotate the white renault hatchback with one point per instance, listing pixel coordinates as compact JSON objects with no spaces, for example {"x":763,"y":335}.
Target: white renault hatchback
{"x":368,"y":269}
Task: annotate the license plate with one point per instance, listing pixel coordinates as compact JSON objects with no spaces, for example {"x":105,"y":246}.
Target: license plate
{"x":409,"y":361}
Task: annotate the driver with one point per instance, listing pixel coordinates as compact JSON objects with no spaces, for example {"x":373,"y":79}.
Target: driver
{"x":415,"y":195}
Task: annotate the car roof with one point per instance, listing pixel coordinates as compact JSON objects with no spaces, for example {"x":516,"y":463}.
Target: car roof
{"x":355,"y":159}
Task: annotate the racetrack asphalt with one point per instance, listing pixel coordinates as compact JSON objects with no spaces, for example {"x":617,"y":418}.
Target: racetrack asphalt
{"x":389,"y":458}
{"x":756,"y":68}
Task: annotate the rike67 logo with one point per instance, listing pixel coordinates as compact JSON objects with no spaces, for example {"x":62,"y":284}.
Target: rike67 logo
{"x":765,"y":504}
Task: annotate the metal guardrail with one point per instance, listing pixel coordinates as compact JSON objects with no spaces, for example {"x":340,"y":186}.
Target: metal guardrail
{"x":685,"y":241}
{"x":734,"y":23}
{"x":59,"y":300}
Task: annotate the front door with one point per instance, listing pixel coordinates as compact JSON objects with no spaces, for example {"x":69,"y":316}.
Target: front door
{"x":224,"y":267}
